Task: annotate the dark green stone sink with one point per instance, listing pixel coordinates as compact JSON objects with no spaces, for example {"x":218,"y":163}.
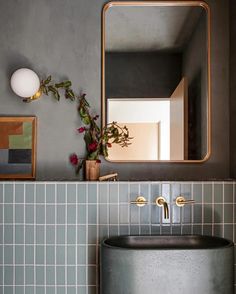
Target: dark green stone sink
{"x":167,"y":264}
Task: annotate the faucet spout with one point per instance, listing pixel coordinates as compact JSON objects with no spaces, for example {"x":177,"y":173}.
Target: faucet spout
{"x":160,"y":201}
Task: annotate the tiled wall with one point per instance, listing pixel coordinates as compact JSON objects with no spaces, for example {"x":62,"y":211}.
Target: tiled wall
{"x":50,"y":232}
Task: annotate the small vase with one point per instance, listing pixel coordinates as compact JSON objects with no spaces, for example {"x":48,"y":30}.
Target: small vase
{"x":92,"y":170}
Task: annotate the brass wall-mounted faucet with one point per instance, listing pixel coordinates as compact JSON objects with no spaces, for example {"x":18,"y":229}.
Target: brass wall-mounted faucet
{"x":161,"y":202}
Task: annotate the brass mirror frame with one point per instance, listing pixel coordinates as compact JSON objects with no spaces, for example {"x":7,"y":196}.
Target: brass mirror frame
{"x":162,"y":3}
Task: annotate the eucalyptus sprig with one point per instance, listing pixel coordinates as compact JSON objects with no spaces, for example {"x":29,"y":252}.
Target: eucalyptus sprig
{"x":47,"y":86}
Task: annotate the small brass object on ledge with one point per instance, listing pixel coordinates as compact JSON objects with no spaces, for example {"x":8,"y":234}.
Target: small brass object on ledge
{"x":139,"y":201}
{"x":110,"y":177}
{"x":181,"y":201}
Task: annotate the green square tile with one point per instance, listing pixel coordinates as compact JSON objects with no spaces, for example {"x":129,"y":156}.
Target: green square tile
{"x":207,"y":193}
{"x":81,"y":214}
{"x":71,"y":255}
{"x":197,"y":213}
{"x":60,"y":229}
{"x":29,"y":234}
{"x":1,"y":193}
{"x":29,"y":254}
{"x":228,"y":232}
{"x":103,"y":213}
{"x":29,"y":290}
{"x":19,"y":234}
{"x":50,"y":290}
{"x":124,"y":214}
{"x":40,"y":290}
{"x":197,"y":229}
{"x":175,"y":191}
{"x":176,"y":230}
{"x":50,"y":275}
{"x":60,"y":255}
{"x":29,"y":193}
{"x":92,"y":214}
{"x":82,"y":289}
{"x":218,"y":213}
{"x":19,"y":193}
{"x":71,"y":214}
{"x":81,"y":197}
{"x":228,"y":193}
{"x":50,"y":193}
{"x":103,"y":193}
{"x":218,"y":193}
{"x":19,"y":254}
{"x":218,"y":230}
{"x":8,"y":234}
{"x":19,"y":275}
{"x":103,"y":232}
{"x":29,"y":275}
{"x":8,"y":275}
{"x":228,"y":213}
{"x":29,"y":214}
{"x":81,"y":255}
{"x":92,"y":193}
{"x":134,"y":230}
{"x":8,"y":289}
{"x":124,"y":230}
{"x":71,"y":193}
{"x":40,"y":275}
{"x":166,"y":191}
{"x":134,"y":214}
{"x":187,"y":214}
{"x":124,"y":193}
{"x":92,"y":254}
{"x":39,"y":254}
{"x":40,"y":193}
{"x":92,"y":234}
{"x":8,"y":254}
{"x":60,"y":275}
{"x":50,"y":214}
{"x":8,"y":193}
{"x":50,"y":234}
{"x":40,"y":234}
{"x":207,"y":213}
{"x":197,"y":192}
{"x":144,"y":215}
{"x":8,"y":213}
{"x":71,"y":234}
{"x":113,"y":193}
{"x":71,"y":275}
{"x":61,"y":290}
{"x":113,"y":214}
{"x":40,"y":214}
{"x":50,"y":255}
{"x":81,"y":272}
{"x":61,"y":214}
{"x":61,"y":193}
{"x":207,"y":230}
{"x":145,"y":230}
{"x":19,"y":290}
{"x":71,"y":290}
{"x":81,"y":234}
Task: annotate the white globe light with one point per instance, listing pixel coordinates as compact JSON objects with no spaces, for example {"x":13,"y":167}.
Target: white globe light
{"x":25,"y":82}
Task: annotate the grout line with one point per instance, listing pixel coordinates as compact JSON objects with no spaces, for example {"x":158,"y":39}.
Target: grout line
{"x":223,"y":214}
{"x":35,"y":238}
{"x":170,"y":206}
{"x":149,"y":208}
{"x":108,"y":210}
{"x":233,"y":212}
{"x":76,"y":238}
{"x":24,"y":236}
{"x":118,"y":208}
{"x":45,"y":240}
{"x":139,"y":212}
{"x":14,"y":247}
{"x":181,"y":214}
{"x":202,"y":227}
{"x":213,"y":209}
{"x":97,"y":244}
{"x":66,"y":199}
{"x":55,"y":237}
{"x":86,"y":248}
{"x":129,"y":208}
{"x":192,"y":210}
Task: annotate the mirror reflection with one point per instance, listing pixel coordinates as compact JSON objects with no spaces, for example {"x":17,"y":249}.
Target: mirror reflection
{"x":155,"y":79}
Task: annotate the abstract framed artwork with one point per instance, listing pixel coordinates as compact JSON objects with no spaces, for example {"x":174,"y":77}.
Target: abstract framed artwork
{"x":17,"y":147}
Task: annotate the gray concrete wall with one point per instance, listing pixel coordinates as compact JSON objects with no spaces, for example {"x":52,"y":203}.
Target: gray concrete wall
{"x":142,"y":74}
{"x":63,"y":38}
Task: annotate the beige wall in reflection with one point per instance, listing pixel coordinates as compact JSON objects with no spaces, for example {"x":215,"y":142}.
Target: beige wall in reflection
{"x":145,"y":143}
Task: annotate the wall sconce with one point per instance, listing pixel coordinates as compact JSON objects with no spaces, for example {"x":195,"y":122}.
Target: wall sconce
{"x":25,"y":83}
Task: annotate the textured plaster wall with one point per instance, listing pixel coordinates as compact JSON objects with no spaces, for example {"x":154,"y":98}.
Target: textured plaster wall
{"x":63,"y":38}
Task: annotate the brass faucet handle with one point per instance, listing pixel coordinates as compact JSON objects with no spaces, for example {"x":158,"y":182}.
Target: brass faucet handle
{"x":139,"y":201}
{"x":181,"y":201}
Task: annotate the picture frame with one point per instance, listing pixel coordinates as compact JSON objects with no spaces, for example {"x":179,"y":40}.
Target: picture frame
{"x":17,"y":147}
